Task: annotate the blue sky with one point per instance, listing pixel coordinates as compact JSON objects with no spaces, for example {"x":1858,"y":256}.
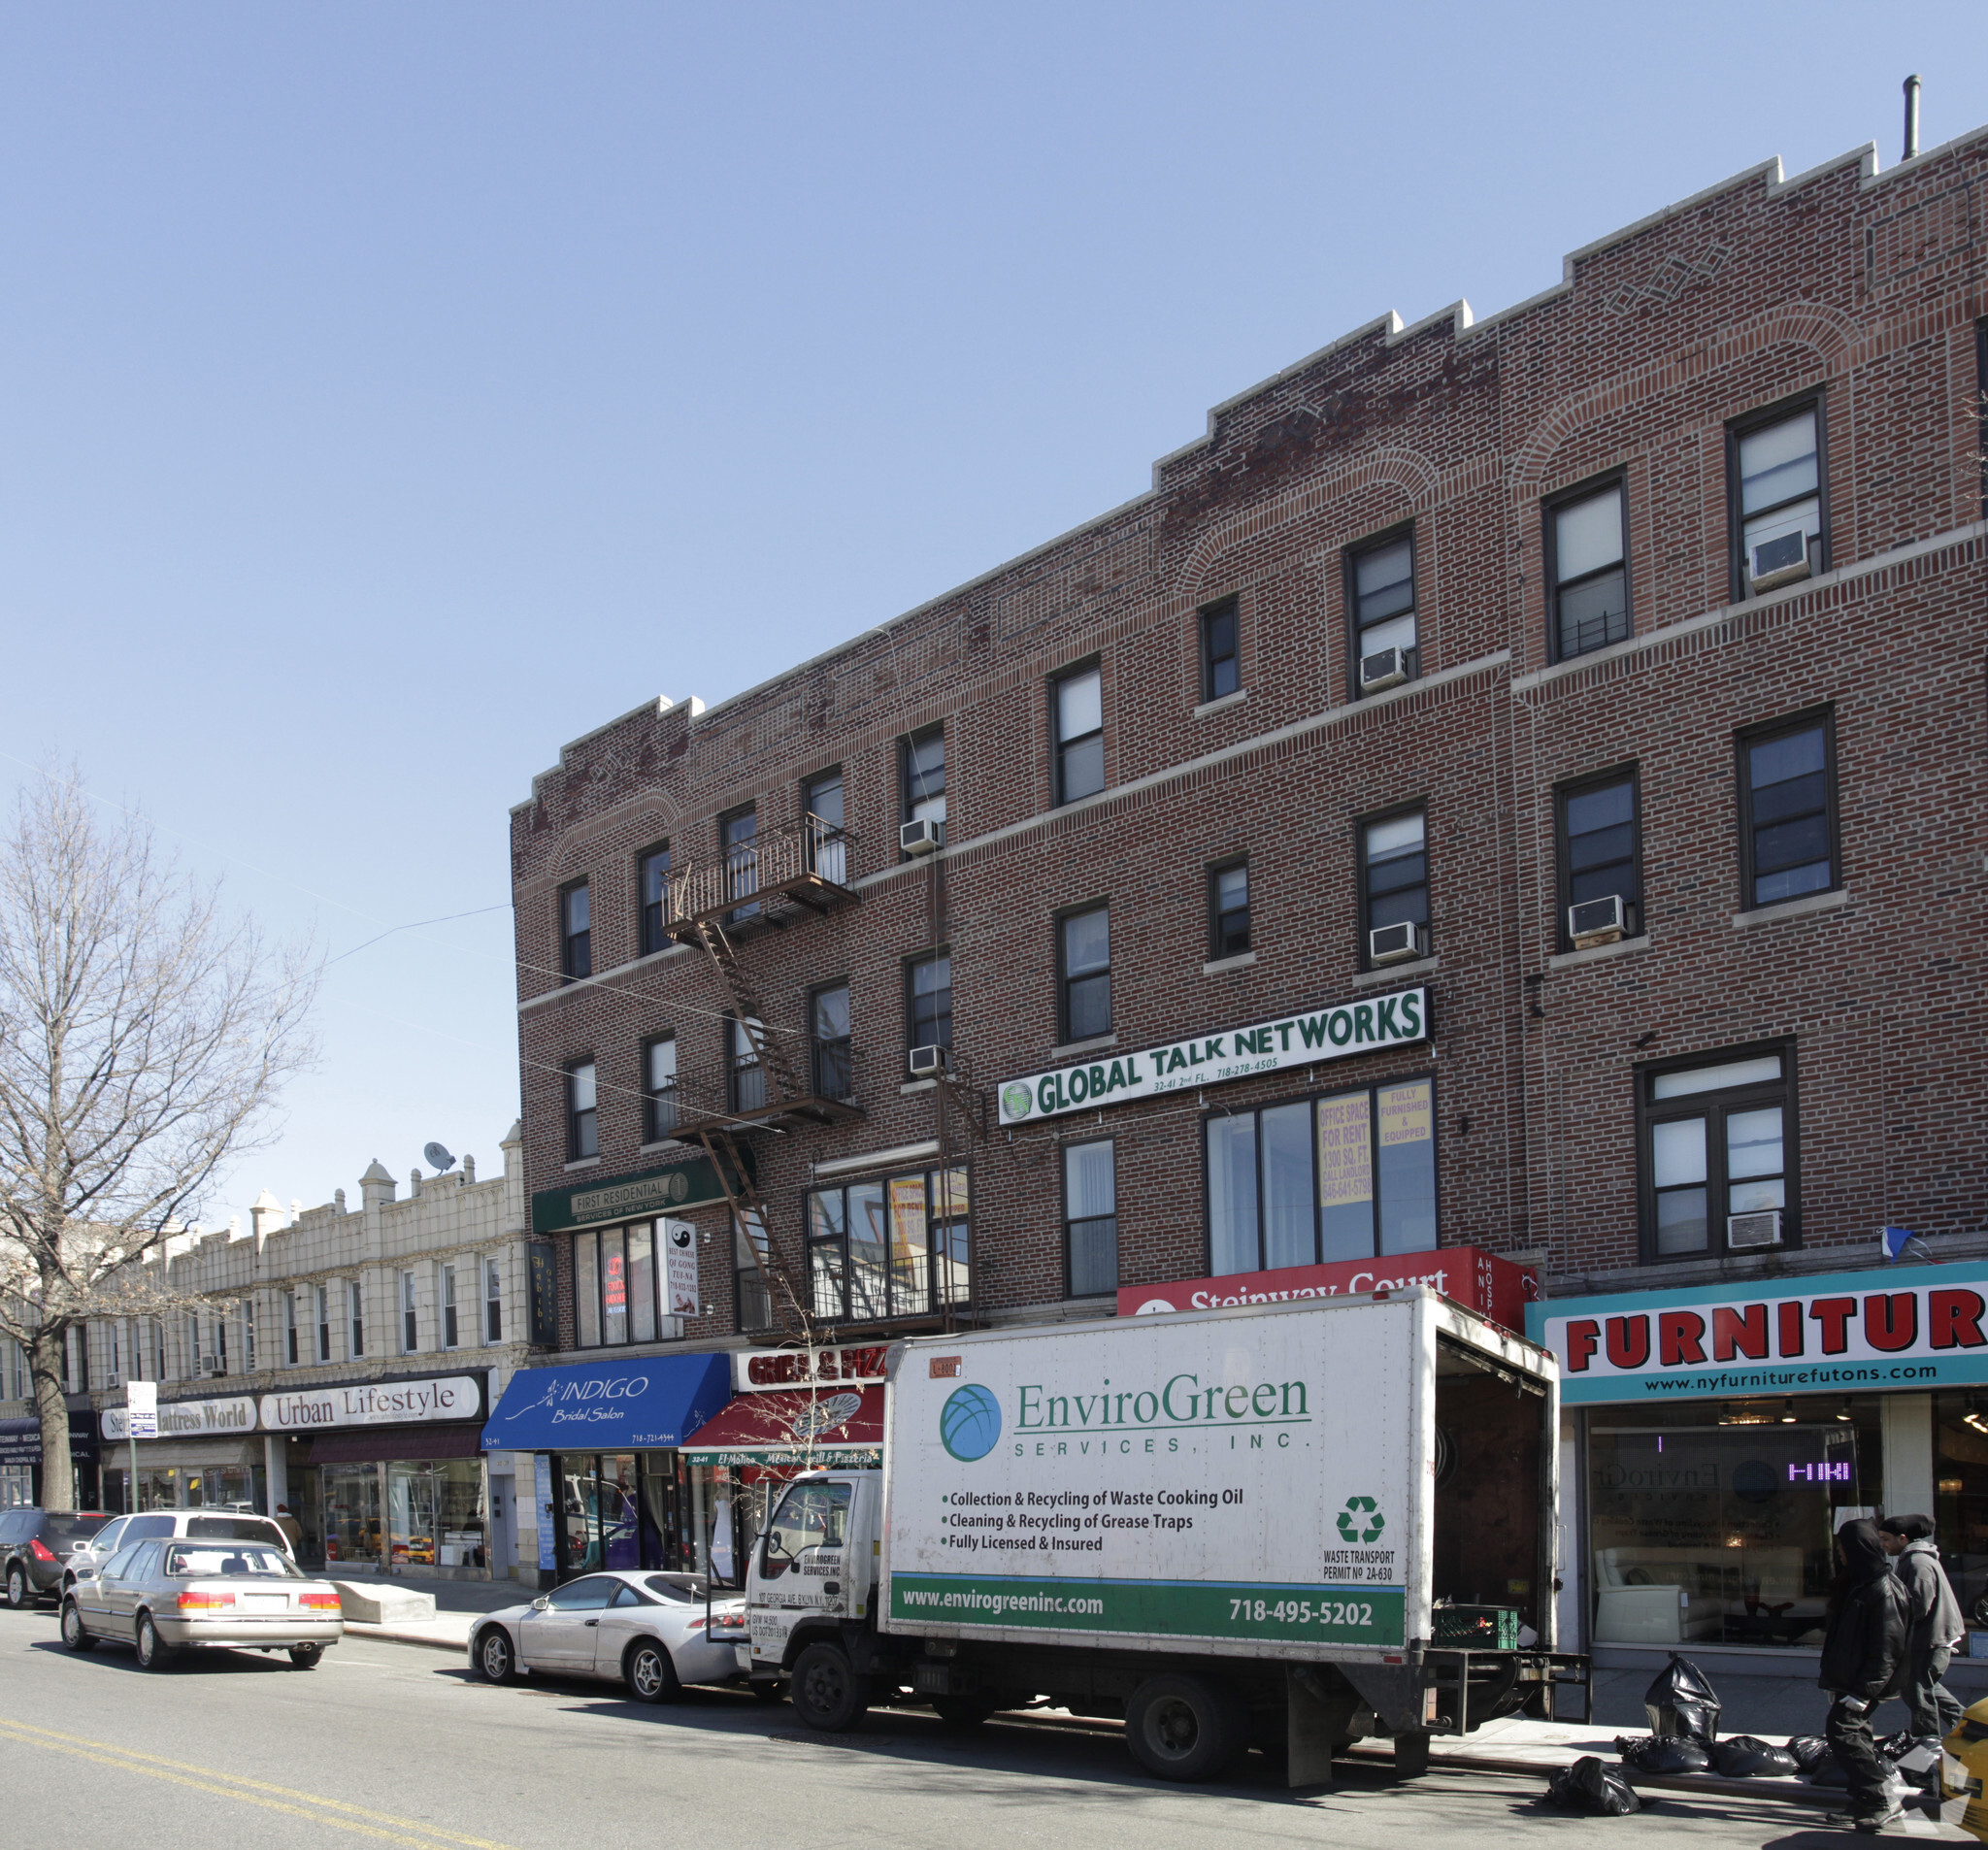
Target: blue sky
{"x":389,"y":393}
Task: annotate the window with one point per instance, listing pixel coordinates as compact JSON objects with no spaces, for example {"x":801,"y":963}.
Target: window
{"x":1083,"y":943}
{"x":828,"y":1026}
{"x":1717,"y":1139}
{"x":1079,"y":703}
{"x":1228,"y":910}
{"x":659,"y":1089}
{"x":828,"y":848}
{"x":248,"y":1337}
{"x":747,"y":1072}
{"x":1587,"y":566}
{"x":291,"y":1352}
{"x":931,"y":1001}
{"x":1221,"y":666}
{"x":583,"y":1118}
{"x":1344,"y":1176}
{"x":1787,"y":803}
{"x":448,"y":1326}
{"x":925,"y":778}
{"x":221,"y":1348}
{"x":195,"y":1368}
{"x":111,"y":1336}
{"x":323,"y":1323}
{"x":1601,"y":848}
{"x":653,"y":873}
{"x":576,"y":931}
{"x":409,"y":1334}
{"x":751,"y":1270}
{"x":1090,"y":1219}
{"x":1775,"y":466}
{"x":1394,"y":878}
{"x":1381,"y":600}
{"x":738,"y":841}
{"x":893,"y":1248}
{"x":355,"y":1311}
{"x":614,"y":1285}
{"x":493,"y":1302}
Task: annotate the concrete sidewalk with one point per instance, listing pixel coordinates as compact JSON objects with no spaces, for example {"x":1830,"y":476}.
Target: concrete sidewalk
{"x":458,"y":1604}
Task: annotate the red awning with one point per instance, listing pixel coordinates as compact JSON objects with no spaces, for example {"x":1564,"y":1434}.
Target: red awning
{"x":827,"y":1427}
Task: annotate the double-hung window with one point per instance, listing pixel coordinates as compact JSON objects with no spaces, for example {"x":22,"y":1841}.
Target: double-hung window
{"x":450,"y":1335}
{"x":576,"y":931}
{"x":1599,"y":855}
{"x":410,"y":1327}
{"x":828,"y":846}
{"x":583,"y":1115}
{"x":1779,"y":499}
{"x":323,"y":1309}
{"x":1221,"y":661}
{"x":1381,"y":600}
{"x":1228,"y":910}
{"x":747,"y":1071}
{"x":751,"y":1293}
{"x":248,"y":1334}
{"x":739,"y":843}
{"x":930,"y":1000}
{"x":828,"y":1023}
{"x":896,"y":1248}
{"x":1090,"y":1218}
{"x":1078,"y":699}
{"x":614,"y":1285}
{"x":1394,"y":887}
{"x":1788,"y":810}
{"x":659,"y":1089}
{"x":652,"y":873}
{"x":220,"y":1345}
{"x":1587,"y":568}
{"x":1717,"y":1150}
{"x":493,"y":1302}
{"x":1083,"y":943}
{"x":356,"y":1312}
{"x":923,"y":762}
{"x":290,"y":1353}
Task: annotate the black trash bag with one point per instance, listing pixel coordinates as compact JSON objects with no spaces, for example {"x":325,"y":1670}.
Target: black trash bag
{"x":1894,"y":1747}
{"x":1748,"y":1757}
{"x":1828,"y":1772}
{"x":1593,"y":1787}
{"x":1657,"y":1753}
{"x":1682,"y":1703}
{"x":1810,"y":1751}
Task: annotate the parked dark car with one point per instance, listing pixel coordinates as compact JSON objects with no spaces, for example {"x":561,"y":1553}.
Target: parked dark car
{"x":35,"y":1545}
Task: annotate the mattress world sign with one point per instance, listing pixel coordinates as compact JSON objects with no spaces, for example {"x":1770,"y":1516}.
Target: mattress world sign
{"x":1838,"y":1333}
{"x":1266,"y":1047}
{"x":455,"y":1397}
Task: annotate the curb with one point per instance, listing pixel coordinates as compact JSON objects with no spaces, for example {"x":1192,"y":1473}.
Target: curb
{"x":387,"y":1634}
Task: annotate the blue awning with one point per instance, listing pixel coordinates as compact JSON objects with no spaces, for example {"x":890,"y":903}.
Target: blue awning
{"x":630,"y":1403}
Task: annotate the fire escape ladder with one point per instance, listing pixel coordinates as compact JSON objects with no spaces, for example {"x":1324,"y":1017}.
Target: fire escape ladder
{"x":772,"y":1053}
{"x":754,"y":1230}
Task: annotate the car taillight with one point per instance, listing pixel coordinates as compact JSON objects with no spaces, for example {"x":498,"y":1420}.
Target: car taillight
{"x":321,"y":1602}
{"x":39,"y":1550}
{"x":195,"y":1601}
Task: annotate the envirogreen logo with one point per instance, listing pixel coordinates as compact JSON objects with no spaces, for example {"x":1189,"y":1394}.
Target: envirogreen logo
{"x":1018,"y":1101}
{"x":1361,"y":1511}
{"x":970,"y":1423}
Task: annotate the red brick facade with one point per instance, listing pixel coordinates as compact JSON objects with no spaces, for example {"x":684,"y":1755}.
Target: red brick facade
{"x":1866,"y":286}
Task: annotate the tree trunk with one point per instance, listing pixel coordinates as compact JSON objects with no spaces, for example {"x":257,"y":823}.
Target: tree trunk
{"x":46,"y":1364}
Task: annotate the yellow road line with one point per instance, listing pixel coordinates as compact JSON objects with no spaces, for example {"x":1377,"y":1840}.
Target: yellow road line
{"x":405,"y":1831}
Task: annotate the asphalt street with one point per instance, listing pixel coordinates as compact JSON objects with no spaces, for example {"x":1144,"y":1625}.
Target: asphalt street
{"x":395,"y":1744}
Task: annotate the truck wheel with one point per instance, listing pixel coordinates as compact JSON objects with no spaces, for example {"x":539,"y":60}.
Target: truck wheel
{"x":826,"y":1692}
{"x":1182,"y":1727}
{"x":963,"y":1712}
{"x":1411,"y":1756}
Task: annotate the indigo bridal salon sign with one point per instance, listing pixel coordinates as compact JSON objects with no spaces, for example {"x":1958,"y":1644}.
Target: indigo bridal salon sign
{"x":1266,"y":1047}
{"x":454,"y":1396}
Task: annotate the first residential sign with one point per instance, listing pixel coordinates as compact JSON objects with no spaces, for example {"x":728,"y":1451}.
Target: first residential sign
{"x":1292,"y":1041}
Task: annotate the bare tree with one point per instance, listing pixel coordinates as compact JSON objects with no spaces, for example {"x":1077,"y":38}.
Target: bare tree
{"x":144,"y":1035}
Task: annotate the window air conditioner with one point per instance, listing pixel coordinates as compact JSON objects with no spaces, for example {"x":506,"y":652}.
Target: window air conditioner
{"x":1780,"y":560}
{"x":1745,"y":1232}
{"x":209,"y":1365}
{"x":1384,"y":667}
{"x":1596,"y":922}
{"x":927,"y":1063}
{"x":919,"y":837}
{"x":1391,"y":943}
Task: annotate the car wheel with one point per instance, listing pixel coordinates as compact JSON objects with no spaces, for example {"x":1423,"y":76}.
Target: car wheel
{"x":74,"y":1633}
{"x":650,"y":1675}
{"x":826,"y":1691}
{"x":306,"y":1657}
{"x":1185,"y":1728}
{"x":153,"y":1653}
{"x":494,"y":1658}
{"x":18,"y":1592}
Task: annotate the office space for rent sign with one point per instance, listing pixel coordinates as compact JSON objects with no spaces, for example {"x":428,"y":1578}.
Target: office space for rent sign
{"x":1291,"y":1041}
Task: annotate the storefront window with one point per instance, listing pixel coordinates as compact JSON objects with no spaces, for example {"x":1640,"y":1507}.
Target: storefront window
{"x":352,"y":1513}
{"x":435,"y":1513}
{"x":1959,"y":1471}
{"x":1713,"y":1523}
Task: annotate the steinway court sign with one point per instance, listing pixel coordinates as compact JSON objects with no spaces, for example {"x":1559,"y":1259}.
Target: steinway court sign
{"x":1292,"y":1041}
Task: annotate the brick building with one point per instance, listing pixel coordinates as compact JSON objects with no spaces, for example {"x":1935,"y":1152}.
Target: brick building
{"x":1550,"y":744}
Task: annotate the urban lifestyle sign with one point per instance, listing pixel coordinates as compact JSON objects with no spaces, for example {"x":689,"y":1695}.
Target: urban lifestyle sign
{"x":455,"y":1397}
{"x":1291,"y":1041}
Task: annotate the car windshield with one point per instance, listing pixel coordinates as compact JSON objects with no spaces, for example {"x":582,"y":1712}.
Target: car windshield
{"x":226,"y":1563}
{"x":60,"y":1531}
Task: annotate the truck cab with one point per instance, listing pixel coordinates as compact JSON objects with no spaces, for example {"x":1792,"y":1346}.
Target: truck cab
{"x":813,"y":1571}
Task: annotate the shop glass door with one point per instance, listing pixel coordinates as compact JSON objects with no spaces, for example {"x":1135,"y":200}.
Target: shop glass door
{"x":350,"y":1503}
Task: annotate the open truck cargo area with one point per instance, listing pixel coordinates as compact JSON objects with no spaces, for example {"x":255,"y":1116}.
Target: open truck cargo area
{"x":1288,"y":1527}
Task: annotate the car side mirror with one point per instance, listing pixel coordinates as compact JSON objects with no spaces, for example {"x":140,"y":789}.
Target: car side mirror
{"x":541,"y":1603}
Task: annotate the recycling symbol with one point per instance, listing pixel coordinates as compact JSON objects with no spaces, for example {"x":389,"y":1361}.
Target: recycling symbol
{"x":1357,"y":1510}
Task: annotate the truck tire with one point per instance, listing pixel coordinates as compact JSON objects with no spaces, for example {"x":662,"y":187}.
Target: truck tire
{"x":826,"y":1691}
{"x":1185,"y":1728}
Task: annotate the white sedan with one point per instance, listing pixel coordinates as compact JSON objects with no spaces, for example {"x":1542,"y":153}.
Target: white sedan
{"x":643,"y":1628}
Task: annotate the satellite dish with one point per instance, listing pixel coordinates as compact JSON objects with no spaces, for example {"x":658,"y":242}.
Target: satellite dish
{"x":438,"y":1158}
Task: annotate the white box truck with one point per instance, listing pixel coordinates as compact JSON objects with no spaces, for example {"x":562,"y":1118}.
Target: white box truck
{"x":1290,"y":1526}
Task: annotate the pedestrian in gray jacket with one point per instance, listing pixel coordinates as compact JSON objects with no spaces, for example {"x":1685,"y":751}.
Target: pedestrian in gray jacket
{"x":1937,"y":1624}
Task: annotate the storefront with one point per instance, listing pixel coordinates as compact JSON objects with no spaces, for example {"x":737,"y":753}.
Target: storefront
{"x":1714,"y":1438}
{"x":205,"y":1457}
{"x":610,"y":1489}
{"x":794,"y":1412}
{"x":20,"y":1462}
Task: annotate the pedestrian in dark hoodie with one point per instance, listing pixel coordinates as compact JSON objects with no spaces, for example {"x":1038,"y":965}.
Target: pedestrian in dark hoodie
{"x":1937,"y":1625}
{"x":1862,"y":1662}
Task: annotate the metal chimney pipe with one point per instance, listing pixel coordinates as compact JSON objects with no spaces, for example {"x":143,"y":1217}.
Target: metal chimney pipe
{"x":1912,"y":118}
